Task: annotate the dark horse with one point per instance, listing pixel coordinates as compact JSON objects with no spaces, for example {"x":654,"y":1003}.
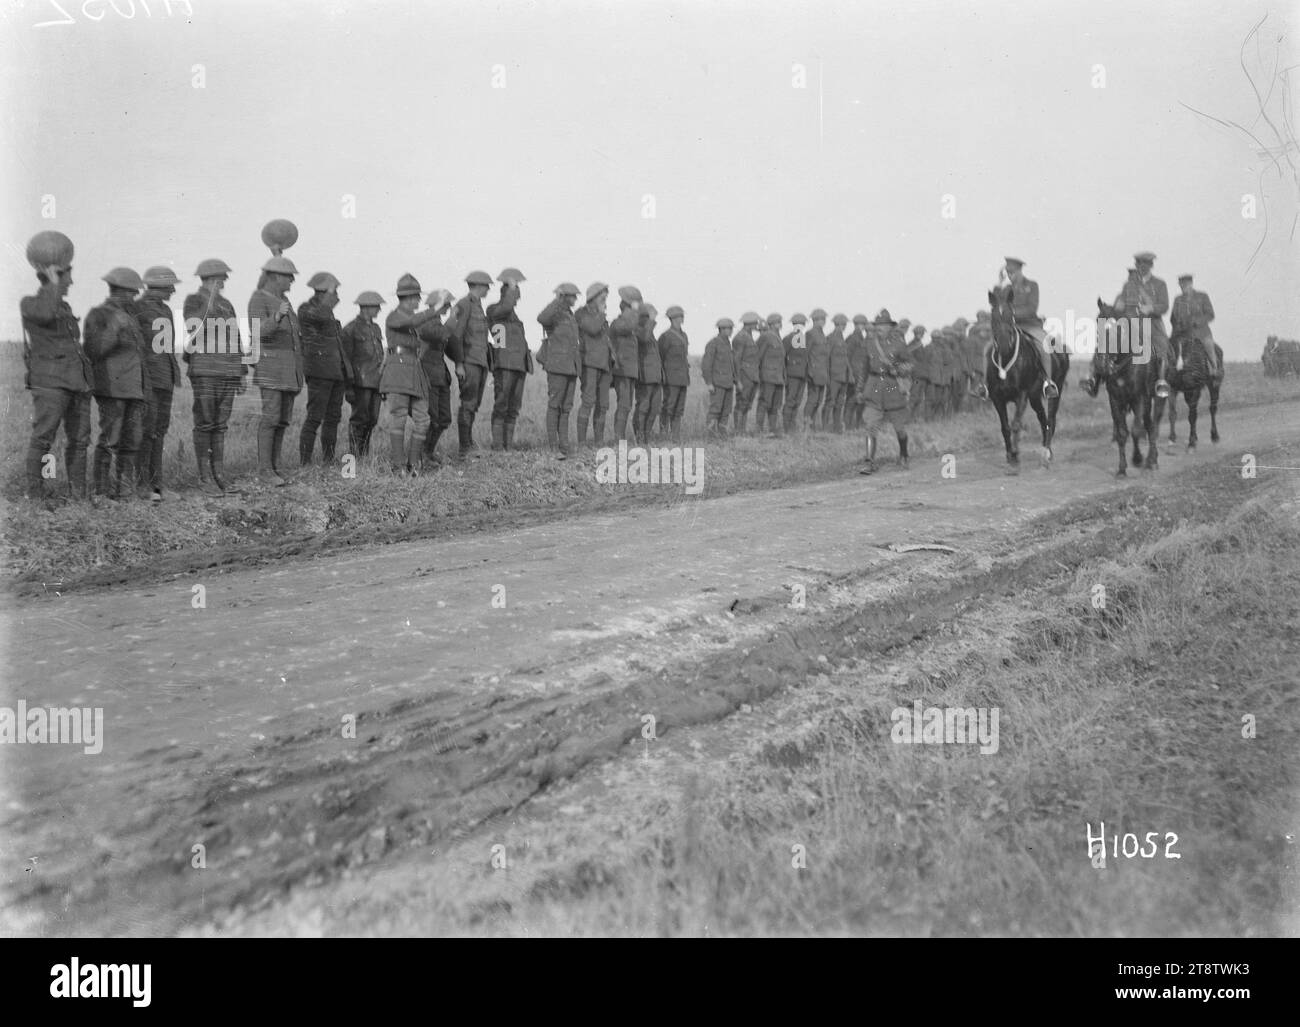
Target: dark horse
{"x":1189,"y":373}
{"x":1131,"y":387}
{"x":1014,"y":373}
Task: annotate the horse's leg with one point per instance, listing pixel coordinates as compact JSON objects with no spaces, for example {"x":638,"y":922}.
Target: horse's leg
{"x":1214,"y":409}
{"x":1193,"y":397}
{"x":1012,"y":458}
{"x":1173,"y":416}
{"x":1045,"y":455}
{"x":1153,"y":408}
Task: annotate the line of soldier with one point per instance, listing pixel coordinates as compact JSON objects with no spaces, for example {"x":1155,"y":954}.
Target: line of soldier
{"x":856,"y":380}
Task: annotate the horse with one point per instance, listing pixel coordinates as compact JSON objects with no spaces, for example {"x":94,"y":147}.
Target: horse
{"x":1131,"y":388}
{"x":1013,"y":372}
{"x":1189,"y":373}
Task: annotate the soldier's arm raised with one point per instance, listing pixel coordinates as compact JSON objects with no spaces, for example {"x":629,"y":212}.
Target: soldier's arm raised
{"x":43,"y":308}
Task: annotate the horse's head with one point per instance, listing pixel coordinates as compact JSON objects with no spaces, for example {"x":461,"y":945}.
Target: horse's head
{"x":1001,"y":320}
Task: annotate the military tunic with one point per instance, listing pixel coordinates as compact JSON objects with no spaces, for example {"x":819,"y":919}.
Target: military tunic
{"x":561,"y":355}
{"x":593,"y":345}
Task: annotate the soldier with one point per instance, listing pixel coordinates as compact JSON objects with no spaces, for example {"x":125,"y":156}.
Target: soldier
{"x":511,"y":358}
{"x":561,"y":356}
{"x":857,"y":347}
{"x":59,"y":379}
{"x":885,"y":400}
{"x":650,"y":377}
{"x":469,"y":325}
{"x":624,"y":350}
{"x":796,"y":370}
{"x":325,"y":367}
{"x":771,"y":375}
{"x":673,"y":345}
{"x":718,"y":371}
{"x":117,"y":363}
{"x":918,"y":356}
{"x":957,"y":346}
{"x":593,"y":346}
{"x":162,"y":372}
{"x":278,"y":371}
{"x":838,"y":371}
{"x":1023,"y":294}
{"x":215,"y":366}
{"x":363,"y":354}
{"x":744,"y":351}
{"x":1146,"y":296}
{"x":439,"y":344}
{"x":1192,"y":314}
{"x":404,"y":380}
{"x":819,"y":368}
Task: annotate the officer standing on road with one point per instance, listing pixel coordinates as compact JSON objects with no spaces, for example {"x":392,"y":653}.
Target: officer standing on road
{"x":561,"y":356}
{"x":650,"y":377}
{"x":324,"y":364}
{"x":718,"y":370}
{"x":796,"y":370}
{"x":597,"y":364}
{"x":771,"y":375}
{"x":439,"y":344}
{"x":857,"y":343}
{"x":511,"y":358}
{"x":469,"y":325}
{"x":215,"y":365}
{"x":278,"y":371}
{"x":884,"y":398}
{"x":363,"y":353}
{"x":623,"y":344}
{"x":162,"y":372}
{"x":744,"y":350}
{"x":819,"y":369}
{"x":59,"y":379}
{"x":673,"y":345}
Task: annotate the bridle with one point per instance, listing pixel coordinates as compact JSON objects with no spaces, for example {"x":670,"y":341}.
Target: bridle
{"x":1015,"y":352}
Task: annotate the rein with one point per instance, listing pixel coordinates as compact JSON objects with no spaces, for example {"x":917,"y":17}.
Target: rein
{"x":1015,"y":353}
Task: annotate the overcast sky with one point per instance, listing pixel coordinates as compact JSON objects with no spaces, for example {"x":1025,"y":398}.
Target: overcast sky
{"x":540,"y":135}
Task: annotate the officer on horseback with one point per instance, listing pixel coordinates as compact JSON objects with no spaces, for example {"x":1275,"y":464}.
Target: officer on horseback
{"x":1023,"y":294}
{"x":1148,"y":296}
{"x":1192,"y":315}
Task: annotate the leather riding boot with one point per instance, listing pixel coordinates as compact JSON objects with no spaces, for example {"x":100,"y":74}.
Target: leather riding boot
{"x":218,"y":460}
{"x":870,"y":462}
{"x":306,"y":443}
{"x":265,"y":445}
{"x":498,"y":434}
{"x":466,"y":443}
{"x":431,"y":446}
{"x":415,"y":454}
{"x":507,"y":435}
{"x":277,"y":444}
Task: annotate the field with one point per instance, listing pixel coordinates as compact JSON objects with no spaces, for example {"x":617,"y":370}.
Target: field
{"x":325,"y":511}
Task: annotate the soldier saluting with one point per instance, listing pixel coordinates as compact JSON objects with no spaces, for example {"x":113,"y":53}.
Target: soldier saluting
{"x":363,"y":349}
{"x":593,"y":347}
{"x":885,"y":400}
{"x":561,"y":356}
{"x":215,"y":366}
{"x":1147,"y":296}
{"x":1023,"y":294}
{"x":117,"y":360}
{"x":324,"y":365}
{"x":625,"y":355}
{"x":511,"y":358}
{"x":278,"y":371}
{"x":469,"y":324}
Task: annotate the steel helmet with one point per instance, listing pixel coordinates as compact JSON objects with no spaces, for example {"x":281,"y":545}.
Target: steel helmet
{"x":567,"y":289}
{"x":280,"y":266}
{"x":408,"y":285}
{"x":370,"y":299}
{"x":595,"y":289}
{"x":46,"y":248}
{"x":161,"y":275}
{"x":124,"y":278}
{"x":629,"y":294}
{"x":323,"y":281}
{"x":511,"y":274}
{"x":212,"y":268}
{"x":674,"y":311}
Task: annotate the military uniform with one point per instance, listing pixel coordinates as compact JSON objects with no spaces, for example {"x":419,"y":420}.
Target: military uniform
{"x":857,"y":346}
{"x":469,"y":324}
{"x":117,"y":362}
{"x":278,"y":372}
{"x":1192,"y":316}
{"x":718,"y":370}
{"x":215,"y":366}
{"x":363,"y":351}
{"x":624,"y":347}
{"x":771,"y":377}
{"x":837,"y":364}
{"x":673,"y":345}
{"x":819,"y":370}
{"x":58,"y":377}
{"x":918,"y":355}
{"x":511,"y":363}
{"x":162,"y":373}
{"x":745,"y":352}
{"x":649,"y":380}
{"x":325,"y":368}
{"x":404,"y":379}
{"x":439,"y":345}
{"x":561,"y":356}
{"x":885,"y":398}
{"x":593,"y":345}
{"x":795,"y":345}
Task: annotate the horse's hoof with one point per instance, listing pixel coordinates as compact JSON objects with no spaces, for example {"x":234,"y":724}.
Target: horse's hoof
{"x":1137,"y":460}
{"x":1121,"y":473}
{"x":1214,"y":437}
{"x":1191,"y":445}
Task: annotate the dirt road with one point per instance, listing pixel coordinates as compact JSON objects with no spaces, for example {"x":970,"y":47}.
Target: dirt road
{"x":475,"y":670}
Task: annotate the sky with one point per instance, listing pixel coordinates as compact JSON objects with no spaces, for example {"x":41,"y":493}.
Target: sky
{"x":721,"y":156}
